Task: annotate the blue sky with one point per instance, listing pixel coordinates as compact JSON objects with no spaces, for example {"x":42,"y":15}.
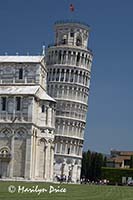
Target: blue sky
{"x":25,"y":25}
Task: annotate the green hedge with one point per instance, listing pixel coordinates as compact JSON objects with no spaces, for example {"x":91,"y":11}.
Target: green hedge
{"x":114,"y":175}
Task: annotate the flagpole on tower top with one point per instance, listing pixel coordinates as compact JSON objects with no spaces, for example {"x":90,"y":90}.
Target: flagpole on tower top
{"x":71,"y":9}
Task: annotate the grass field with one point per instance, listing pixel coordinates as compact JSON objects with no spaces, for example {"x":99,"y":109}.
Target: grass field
{"x":73,"y":192}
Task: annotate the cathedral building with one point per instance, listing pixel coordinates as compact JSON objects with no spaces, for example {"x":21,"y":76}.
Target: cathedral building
{"x":27,"y":116}
{"x":43,"y":107}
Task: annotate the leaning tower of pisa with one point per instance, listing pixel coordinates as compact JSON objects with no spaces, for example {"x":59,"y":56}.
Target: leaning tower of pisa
{"x":69,"y":65}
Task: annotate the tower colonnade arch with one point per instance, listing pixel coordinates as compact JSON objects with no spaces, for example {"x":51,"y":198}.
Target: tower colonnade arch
{"x":68,"y":146}
{"x":69,"y":56}
{"x":69,"y":74}
{"x":71,"y":110}
{"x":69,"y":92}
{"x":69,"y":127}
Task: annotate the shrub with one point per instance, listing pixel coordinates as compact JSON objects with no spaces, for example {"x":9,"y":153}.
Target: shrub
{"x":114,"y":175}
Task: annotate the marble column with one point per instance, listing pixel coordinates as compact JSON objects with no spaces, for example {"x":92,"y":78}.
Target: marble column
{"x":78,"y":173}
{"x":64,"y":75}
{"x":61,"y":57}
{"x":63,"y":133}
{"x":28,"y":159}
{"x":11,"y":169}
{"x":69,"y":77}
{"x":66,"y":147}
{"x":66,"y":57}
{"x":52,"y":161}
{"x":61,"y":142}
{"x":71,"y":62}
{"x":49,"y":116}
{"x":59,"y":75}
{"x":46,"y":161}
{"x":33,"y":154}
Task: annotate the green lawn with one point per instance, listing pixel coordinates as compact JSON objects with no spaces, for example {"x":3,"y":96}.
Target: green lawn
{"x":73,"y":192}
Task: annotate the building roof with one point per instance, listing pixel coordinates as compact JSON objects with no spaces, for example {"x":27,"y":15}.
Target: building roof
{"x":18,"y":90}
{"x":21,"y":59}
{"x":119,"y":159}
{"x":122,"y":153}
{"x":126,"y":153}
{"x":45,"y":96}
{"x":25,"y":90}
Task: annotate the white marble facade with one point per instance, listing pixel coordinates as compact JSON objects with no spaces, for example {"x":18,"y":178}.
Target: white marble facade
{"x":69,"y":67}
{"x":27,"y":119}
{"x":43,"y":106}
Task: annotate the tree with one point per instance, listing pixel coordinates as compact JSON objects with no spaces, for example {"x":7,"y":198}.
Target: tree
{"x":92,"y":163}
{"x":131,"y":162}
{"x":104,"y":161}
{"x":85,"y":170}
{"x":99,"y":165}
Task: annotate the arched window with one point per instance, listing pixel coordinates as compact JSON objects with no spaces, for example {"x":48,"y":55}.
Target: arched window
{"x":65,"y":90}
{"x":62,"y":75}
{"x":20,"y":73}
{"x":72,"y":33}
{"x":76,"y":76}
{"x":79,"y":41}
{"x":71,"y":78}
{"x":82,"y":62}
{"x":68,"y":150}
{"x":86,"y":60}
{"x":57,"y":74}
{"x":4,"y":103}
{"x":74,"y":58}
{"x":43,"y":108}
{"x":84,"y":78}
{"x":70,"y":91}
{"x":74,"y":92}
{"x":64,"y":57}
{"x":67,"y":75}
{"x":46,"y":121}
{"x":53,"y":76}
{"x":63,"y":148}
{"x":18,"y":103}
{"x":78,"y":58}
{"x":64,"y":39}
{"x":59,"y":57}
{"x":58,"y":148}
{"x":69,"y":57}
{"x":80,"y":77}
{"x":60,"y":91}
{"x":5,"y":152}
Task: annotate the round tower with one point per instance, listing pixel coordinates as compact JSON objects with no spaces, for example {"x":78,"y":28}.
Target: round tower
{"x":69,"y":65}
